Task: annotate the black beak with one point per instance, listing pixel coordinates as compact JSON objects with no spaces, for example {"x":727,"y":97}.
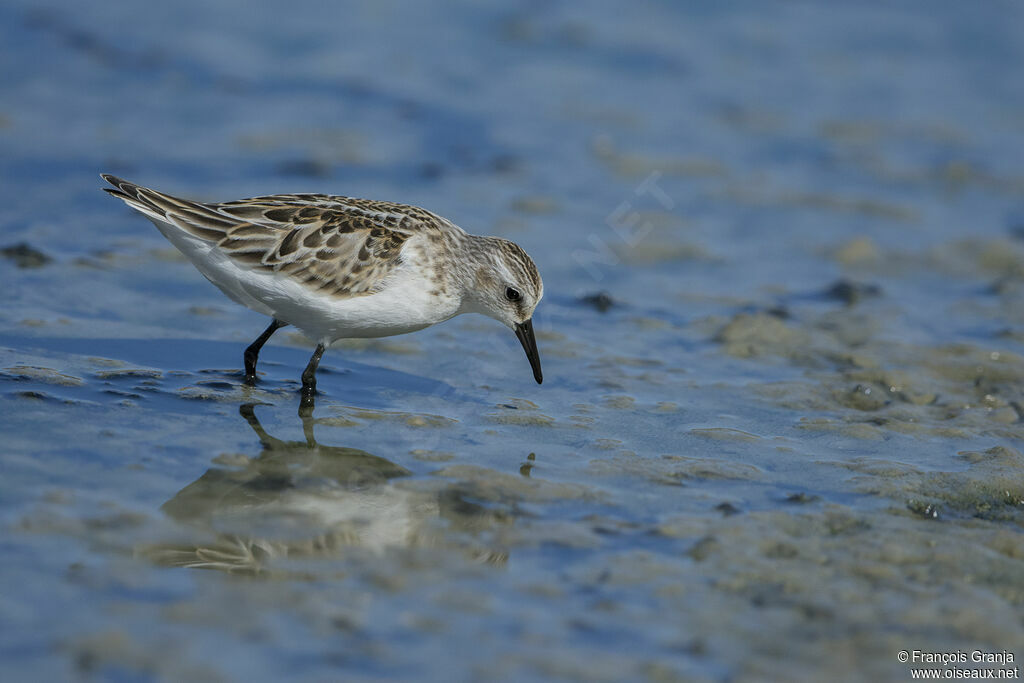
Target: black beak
{"x":525,"y":333}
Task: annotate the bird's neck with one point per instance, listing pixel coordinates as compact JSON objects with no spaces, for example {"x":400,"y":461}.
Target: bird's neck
{"x":473,"y":271}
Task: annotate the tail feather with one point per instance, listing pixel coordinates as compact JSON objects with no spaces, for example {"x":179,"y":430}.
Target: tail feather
{"x":192,"y":217}
{"x":122,"y":188}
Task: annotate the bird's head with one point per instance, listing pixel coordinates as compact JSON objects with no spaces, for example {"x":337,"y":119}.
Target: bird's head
{"x":507,"y":287}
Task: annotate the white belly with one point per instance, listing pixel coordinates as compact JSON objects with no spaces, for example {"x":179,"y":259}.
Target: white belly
{"x":403,"y":305}
{"x":400,"y":307}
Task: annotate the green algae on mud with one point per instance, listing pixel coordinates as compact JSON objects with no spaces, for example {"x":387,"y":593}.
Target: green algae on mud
{"x":919,"y":389}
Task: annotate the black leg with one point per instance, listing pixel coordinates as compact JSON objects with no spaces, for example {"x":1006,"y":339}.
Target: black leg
{"x":309,"y":374}
{"x":252,"y":354}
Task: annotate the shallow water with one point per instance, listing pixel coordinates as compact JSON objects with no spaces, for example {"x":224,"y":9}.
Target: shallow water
{"x":783,"y":341}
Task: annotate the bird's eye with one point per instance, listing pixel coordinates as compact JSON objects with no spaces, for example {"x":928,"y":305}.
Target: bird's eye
{"x":512,"y":294}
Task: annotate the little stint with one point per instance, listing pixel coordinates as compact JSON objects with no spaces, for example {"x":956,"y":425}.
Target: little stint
{"x":337,"y":267}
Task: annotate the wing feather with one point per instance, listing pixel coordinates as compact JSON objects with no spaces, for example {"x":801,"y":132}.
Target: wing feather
{"x":339,"y":245}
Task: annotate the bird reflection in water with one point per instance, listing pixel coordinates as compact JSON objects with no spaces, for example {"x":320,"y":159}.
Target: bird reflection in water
{"x":300,"y":500}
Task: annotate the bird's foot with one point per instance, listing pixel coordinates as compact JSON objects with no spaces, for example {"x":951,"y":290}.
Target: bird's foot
{"x":250,"y":380}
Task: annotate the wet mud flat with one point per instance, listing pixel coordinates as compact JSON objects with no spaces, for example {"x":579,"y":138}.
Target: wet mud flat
{"x":790,"y":466}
